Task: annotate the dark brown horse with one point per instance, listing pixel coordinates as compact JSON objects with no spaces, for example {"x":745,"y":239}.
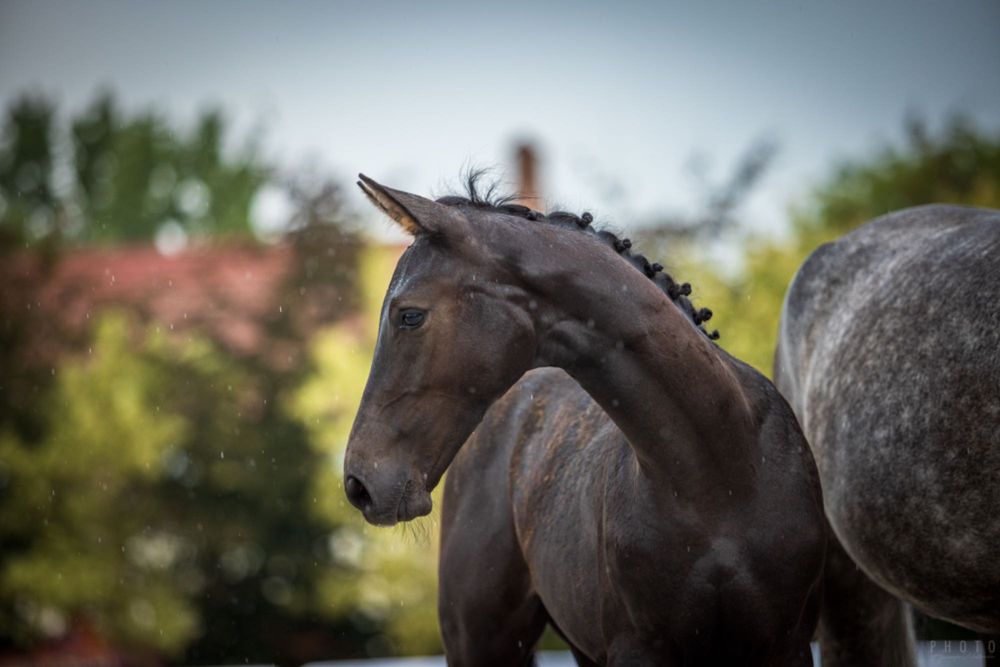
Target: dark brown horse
{"x":627,"y":481}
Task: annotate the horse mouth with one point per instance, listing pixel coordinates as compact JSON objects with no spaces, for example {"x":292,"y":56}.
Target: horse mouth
{"x":413,"y":503}
{"x":412,"y":508}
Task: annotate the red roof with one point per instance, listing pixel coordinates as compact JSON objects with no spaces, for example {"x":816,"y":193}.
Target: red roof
{"x":228,"y":292}
{"x":81,"y":646}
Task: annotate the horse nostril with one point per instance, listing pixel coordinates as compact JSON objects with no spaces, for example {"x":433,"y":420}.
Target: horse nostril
{"x":357,"y":493}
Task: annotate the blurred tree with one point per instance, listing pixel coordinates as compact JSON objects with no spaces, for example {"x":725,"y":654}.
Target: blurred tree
{"x":134,"y":176}
{"x":108,"y":177}
{"x":69,"y":548}
{"x":170,"y":504}
{"x":27,"y":202}
{"x":155,"y":486}
{"x":326,"y":239}
{"x":960,"y":164}
{"x":720,"y":202}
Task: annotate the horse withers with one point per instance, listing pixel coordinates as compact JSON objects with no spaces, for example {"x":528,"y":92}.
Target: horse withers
{"x":625,"y":480}
{"x":889,"y":353}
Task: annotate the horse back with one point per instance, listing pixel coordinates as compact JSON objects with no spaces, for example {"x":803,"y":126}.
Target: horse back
{"x":919,"y":282}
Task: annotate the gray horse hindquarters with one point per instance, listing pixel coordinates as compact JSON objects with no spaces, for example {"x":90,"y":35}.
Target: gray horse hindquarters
{"x":889,"y":353}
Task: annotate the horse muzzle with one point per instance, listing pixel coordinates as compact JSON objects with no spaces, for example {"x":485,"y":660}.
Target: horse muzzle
{"x":387,"y":508}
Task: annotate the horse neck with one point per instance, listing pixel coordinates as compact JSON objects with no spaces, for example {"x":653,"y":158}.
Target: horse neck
{"x":679,"y":400}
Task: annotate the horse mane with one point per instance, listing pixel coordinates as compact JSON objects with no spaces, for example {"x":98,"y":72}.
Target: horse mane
{"x":492,"y":199}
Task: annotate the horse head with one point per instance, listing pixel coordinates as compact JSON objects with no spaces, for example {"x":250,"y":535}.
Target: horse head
{"x":452,"y":338}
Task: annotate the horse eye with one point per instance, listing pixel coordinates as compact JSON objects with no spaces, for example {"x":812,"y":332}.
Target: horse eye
{"x":411,"y":319}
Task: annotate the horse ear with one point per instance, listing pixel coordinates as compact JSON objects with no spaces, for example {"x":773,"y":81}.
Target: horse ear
{"x":415,"y":214}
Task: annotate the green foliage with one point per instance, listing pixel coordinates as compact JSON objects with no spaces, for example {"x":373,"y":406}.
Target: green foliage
{"x":107,"y":442}
{"x":121,"y":178}
{"x":26,"y":196}
{"x":959,"y":164}
{"x":168,"y":504}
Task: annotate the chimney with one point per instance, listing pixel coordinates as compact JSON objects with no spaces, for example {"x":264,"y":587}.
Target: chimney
{"x":528,"y":192}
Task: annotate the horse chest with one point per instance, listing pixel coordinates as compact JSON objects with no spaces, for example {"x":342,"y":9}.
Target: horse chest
{"x":672,"y":581}
{"x":651,"y":584}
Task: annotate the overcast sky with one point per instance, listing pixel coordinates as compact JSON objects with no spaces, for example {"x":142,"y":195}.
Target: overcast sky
{"x":410,"y":92}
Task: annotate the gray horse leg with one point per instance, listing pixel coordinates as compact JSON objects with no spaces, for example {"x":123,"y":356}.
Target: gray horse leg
{"x":860,"y":623}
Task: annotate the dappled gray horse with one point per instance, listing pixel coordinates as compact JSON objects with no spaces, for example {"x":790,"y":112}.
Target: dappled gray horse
{"x":889,"y":353}
{"x":642,"y":491}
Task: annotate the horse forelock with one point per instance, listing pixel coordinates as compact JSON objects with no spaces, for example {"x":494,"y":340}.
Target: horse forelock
{"x":491,"y":199}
